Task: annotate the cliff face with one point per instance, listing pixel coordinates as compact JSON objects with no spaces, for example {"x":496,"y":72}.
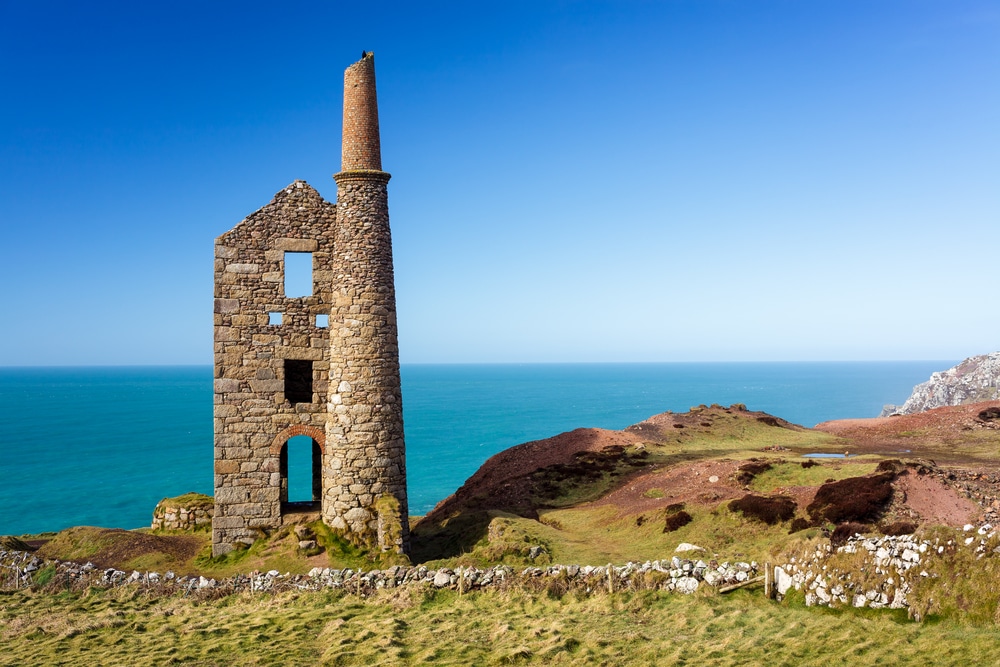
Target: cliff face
{"x":975,"y":379}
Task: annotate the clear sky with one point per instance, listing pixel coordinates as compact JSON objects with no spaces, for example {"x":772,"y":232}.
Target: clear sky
{"x":572,"y":181}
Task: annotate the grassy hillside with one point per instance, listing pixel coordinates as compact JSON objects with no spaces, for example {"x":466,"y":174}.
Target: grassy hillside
{"x":513,"y":627}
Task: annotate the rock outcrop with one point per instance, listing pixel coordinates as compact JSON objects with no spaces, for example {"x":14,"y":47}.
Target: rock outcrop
{"x":974,"y":380}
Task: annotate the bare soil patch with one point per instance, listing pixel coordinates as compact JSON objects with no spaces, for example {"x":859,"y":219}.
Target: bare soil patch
{"x":933,"y":501}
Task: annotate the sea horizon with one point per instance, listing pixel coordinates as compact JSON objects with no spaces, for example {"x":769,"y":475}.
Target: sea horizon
{"x":101,"y":444}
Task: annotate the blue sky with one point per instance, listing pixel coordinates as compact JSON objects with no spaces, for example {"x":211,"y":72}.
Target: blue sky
{"x":572,"y":181}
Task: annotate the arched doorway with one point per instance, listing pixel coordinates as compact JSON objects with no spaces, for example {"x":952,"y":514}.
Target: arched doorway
{"x":300,"y":464}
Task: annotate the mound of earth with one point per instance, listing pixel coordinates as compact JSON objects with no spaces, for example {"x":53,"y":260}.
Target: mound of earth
{"x":115,"y":547}
{"x":520,"y":479}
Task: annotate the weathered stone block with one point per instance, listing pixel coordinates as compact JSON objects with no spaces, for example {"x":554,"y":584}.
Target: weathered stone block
{"x":227,"y":305}
{"x":228,"y":522}
{"x":223,"y":385}
{"x":243,"y":268}
{"x":267,"y":386}
{"x":296,"y":245}
{"x":229,"y":495}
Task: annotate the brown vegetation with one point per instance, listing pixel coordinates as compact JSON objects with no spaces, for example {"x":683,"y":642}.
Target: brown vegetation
{"x":853,"y":499}
{"x":751,"y":469}
{"x":769,"y":509}
{"x":676,"y":518}
{"x":845,"y":531}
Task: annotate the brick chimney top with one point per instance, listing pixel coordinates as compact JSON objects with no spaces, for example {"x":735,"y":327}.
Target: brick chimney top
{"x":361,"y":148}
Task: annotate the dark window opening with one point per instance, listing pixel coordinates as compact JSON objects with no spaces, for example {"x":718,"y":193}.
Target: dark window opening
{"x":298,"y":381}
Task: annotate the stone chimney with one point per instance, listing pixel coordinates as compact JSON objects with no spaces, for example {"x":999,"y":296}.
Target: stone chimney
{"x":365,"y":455}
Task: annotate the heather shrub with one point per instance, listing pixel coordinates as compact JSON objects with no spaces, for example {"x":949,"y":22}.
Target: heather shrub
{"x":676,"y":517}
{"x":859,"y":499}
{"x":746,"y":472}
{"x":675,"y":521}
{"x":845,"y":531}
{"x":899,"y":528}
{"x":797,"y":525}
{"x":769,"y":509}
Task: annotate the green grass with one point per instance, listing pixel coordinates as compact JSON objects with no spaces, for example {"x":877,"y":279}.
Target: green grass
{"x":189,"y":500}
{"x":415,"y":626}
{"x":600,"y":535}
{"x":791,"y":473}
{"x":79,"y":543}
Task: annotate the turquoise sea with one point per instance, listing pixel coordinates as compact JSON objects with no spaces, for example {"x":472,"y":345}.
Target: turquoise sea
{"x":100,"y":446}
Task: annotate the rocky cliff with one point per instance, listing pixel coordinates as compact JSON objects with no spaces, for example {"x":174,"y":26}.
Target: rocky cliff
{"x":975,"y":379}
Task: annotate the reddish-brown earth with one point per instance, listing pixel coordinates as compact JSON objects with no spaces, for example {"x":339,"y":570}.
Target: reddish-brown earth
{"x":690,"y":484}
{"x":906,"y":431}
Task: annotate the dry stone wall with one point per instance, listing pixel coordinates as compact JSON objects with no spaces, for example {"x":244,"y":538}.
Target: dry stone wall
{"x":171,"y":516}
{"x":883,"y":572}
{"x":18,"y":569}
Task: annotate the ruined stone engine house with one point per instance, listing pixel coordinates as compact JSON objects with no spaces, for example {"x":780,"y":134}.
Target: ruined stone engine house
{"x":320,"y":362}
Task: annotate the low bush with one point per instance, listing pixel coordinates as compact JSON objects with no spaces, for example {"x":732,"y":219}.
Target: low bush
{"x":769,"y":509}
{"x":676,"y":520}
{"x":859,"y":499}
{"x":899,"y":528}
{"x":746,"y":472}
{"x":845,"y":531}
{"x":989,"y":414}
{"x":797,"y":525}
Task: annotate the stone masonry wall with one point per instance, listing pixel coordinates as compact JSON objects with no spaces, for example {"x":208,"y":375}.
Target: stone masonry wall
{"x":168,"y":516}
{"x":253,"y":418}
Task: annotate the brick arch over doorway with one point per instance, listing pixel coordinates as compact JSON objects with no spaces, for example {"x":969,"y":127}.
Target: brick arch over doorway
{"x":299,"y":429}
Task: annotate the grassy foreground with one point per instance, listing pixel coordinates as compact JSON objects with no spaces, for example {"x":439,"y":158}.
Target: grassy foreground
{"x":405,"y":626}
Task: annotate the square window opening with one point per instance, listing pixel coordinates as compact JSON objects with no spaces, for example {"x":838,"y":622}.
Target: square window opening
{"x":298,"y":274}
{"x":298,"y":381}
{"x":322,"y":321}
{"x":274,"y":318}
